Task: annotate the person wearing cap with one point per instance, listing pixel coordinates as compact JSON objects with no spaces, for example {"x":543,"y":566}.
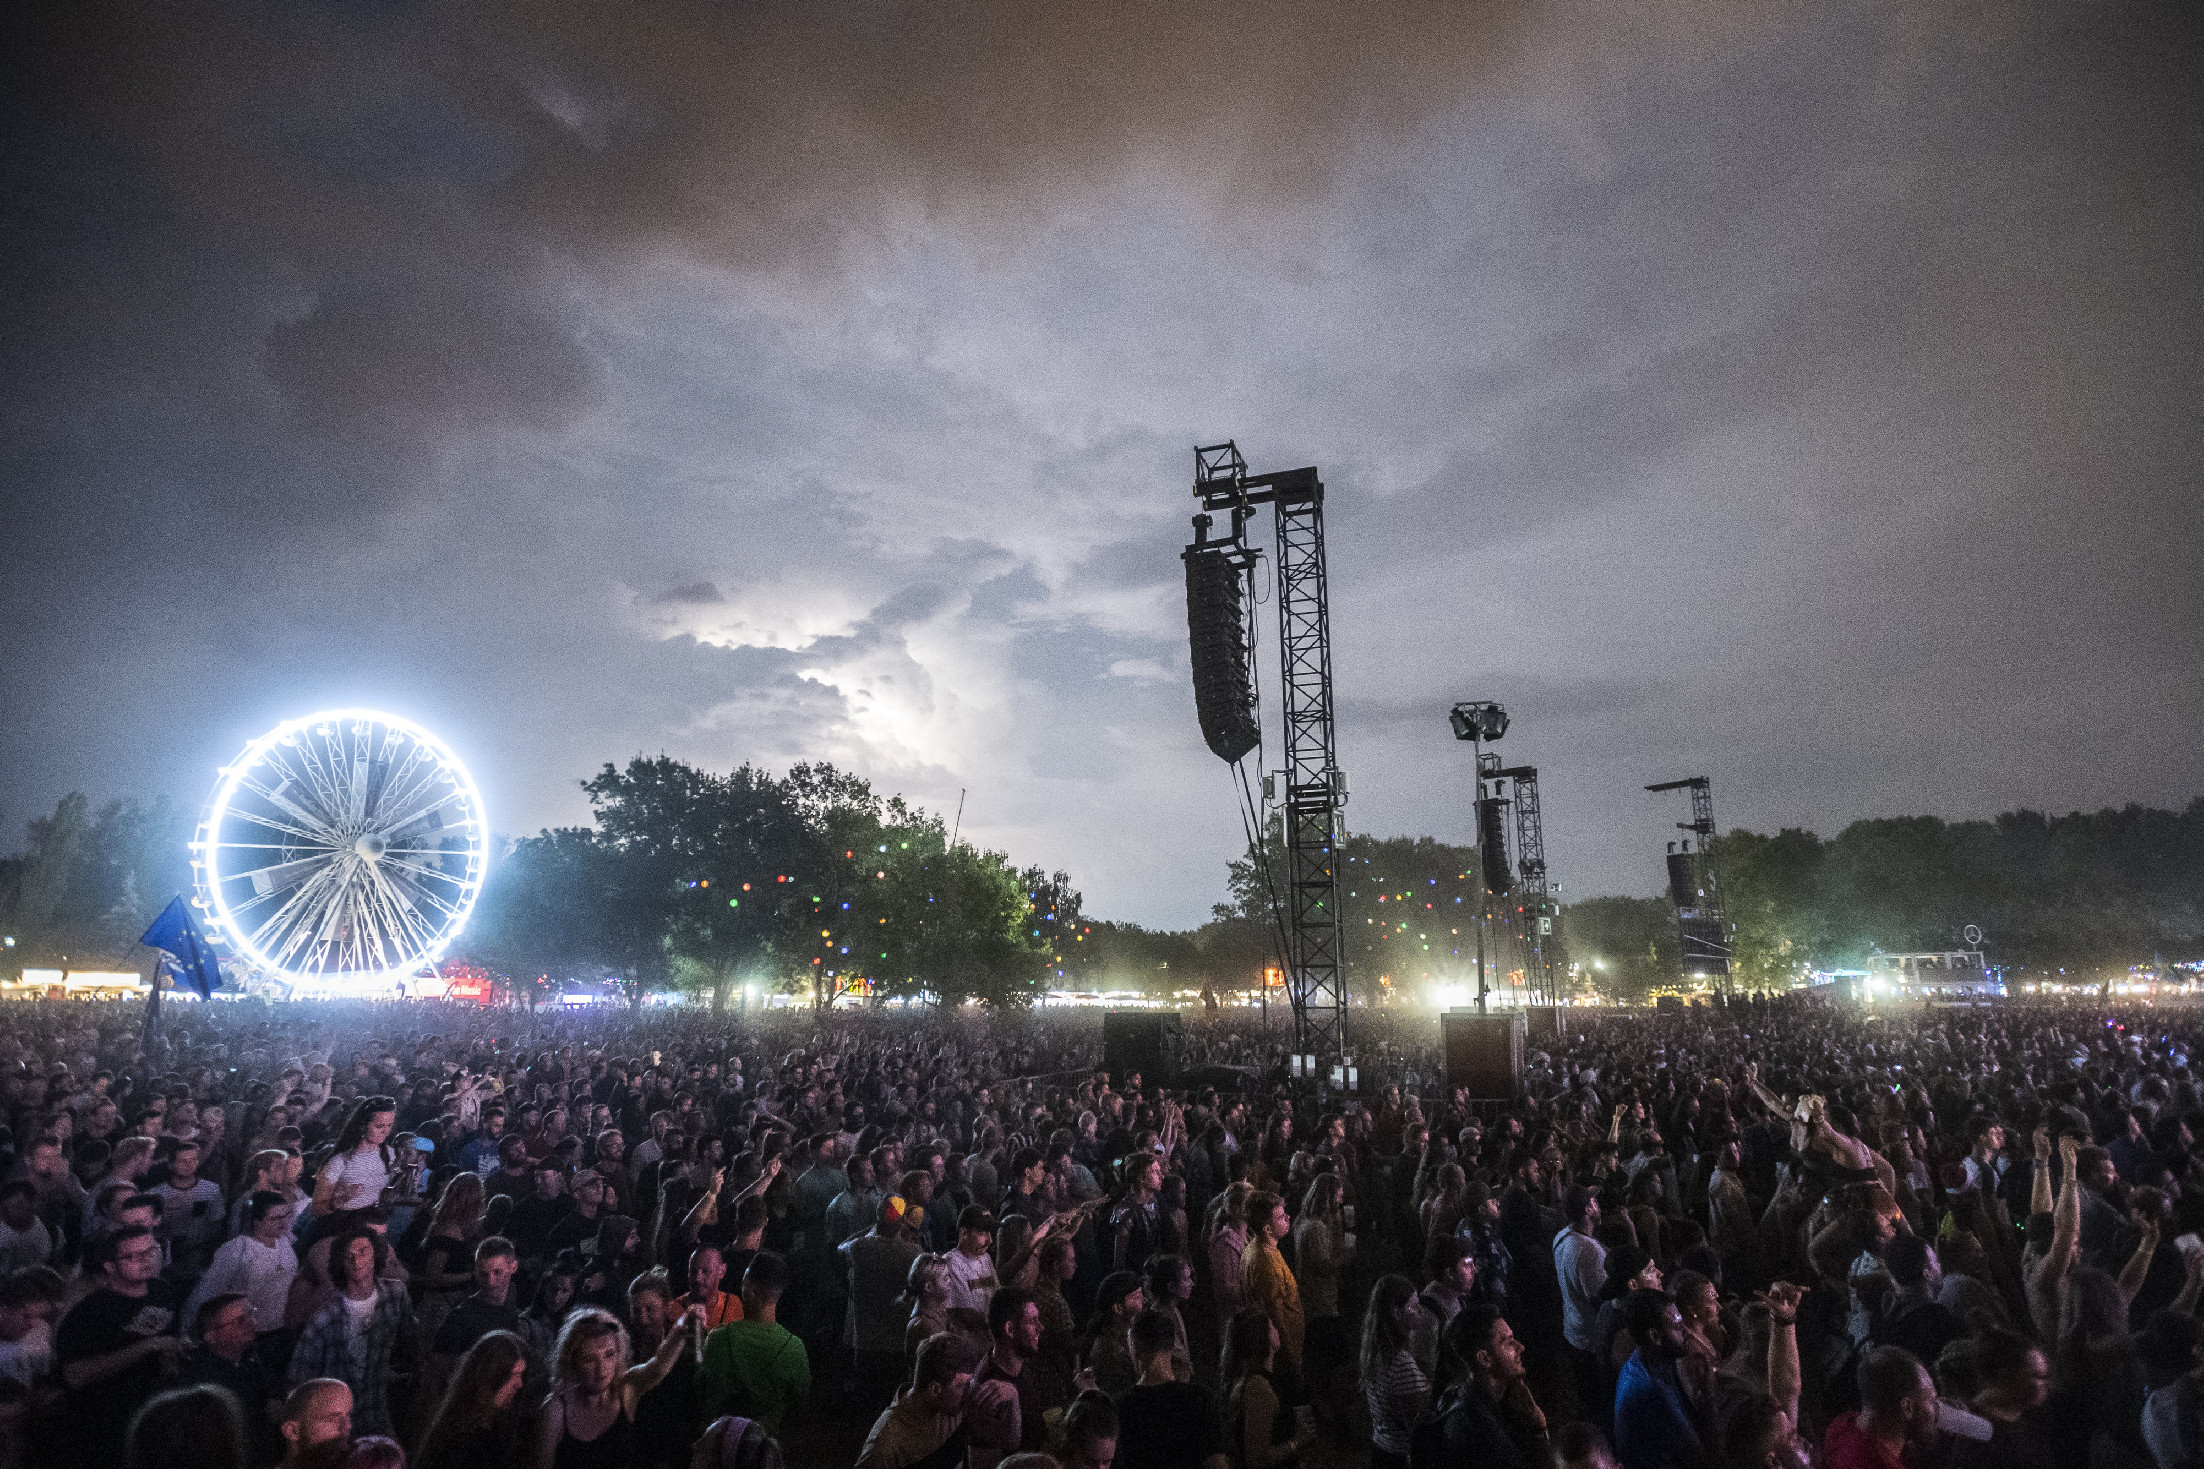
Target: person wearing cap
{"x":876,"y":1264}
{"x":576,"y":1229}
{"x":970,"y":1267}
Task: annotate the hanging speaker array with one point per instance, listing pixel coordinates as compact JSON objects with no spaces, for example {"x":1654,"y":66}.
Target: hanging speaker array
{"x":1216,"y":629}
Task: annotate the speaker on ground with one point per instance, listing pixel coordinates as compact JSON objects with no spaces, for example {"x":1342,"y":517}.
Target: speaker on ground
{"x":1147,"y":1041}
{"x":1483,"y":1053}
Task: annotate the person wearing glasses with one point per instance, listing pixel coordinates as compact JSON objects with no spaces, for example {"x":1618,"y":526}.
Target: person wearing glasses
{"x":113,"y":1345}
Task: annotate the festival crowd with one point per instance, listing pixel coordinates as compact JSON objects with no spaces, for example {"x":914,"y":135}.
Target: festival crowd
{"x":1762,"y":1236}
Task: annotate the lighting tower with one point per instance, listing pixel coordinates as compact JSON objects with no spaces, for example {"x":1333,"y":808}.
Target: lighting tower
{"x":1477,"y":723}
{"x":1314,"y":787}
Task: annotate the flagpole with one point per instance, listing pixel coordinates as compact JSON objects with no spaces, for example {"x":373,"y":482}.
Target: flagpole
{"x":152,"y":1028}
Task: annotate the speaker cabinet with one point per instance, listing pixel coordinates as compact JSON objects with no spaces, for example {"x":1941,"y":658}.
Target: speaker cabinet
{"x":1483,"y":1053}
{"x":1216,"y":628}
{"x":1147,"y":1041}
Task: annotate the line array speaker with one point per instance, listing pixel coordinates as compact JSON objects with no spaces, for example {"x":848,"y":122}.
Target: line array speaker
{"x":1216,"y":630}
{"x":1683,"y":880}
{"x":1492,"y":845}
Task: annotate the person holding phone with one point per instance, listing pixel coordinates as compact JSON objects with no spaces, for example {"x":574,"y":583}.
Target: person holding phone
{"x":358,"y":1172}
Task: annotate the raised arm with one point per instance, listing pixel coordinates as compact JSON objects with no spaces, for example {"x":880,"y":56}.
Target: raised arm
{"x":2185,"y":1303}
{"x":550,"y":1430}
{"x":1776,"y":1104}
{"x":705,"y":1212}
{"x":2066,"y":1219}
{"x":1015,"y":1261}
{"x":1784,"y":1377}
{"x":2039,"y":1189}
{"x":2138,"y":1264}
{"x":647,"y":1374}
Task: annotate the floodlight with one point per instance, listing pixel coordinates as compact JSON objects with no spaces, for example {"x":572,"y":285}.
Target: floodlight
{"x":1478,"y":721}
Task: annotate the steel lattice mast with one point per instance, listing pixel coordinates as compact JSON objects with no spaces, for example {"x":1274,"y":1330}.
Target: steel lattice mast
{"x":1314,"y":788}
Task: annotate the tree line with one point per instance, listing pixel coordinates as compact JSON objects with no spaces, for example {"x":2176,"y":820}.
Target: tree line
{"x":2089,"y":892}
{"x":812,"y":882}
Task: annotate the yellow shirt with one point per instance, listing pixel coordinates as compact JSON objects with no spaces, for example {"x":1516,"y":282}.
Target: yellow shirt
{"x":1267,"y":1283}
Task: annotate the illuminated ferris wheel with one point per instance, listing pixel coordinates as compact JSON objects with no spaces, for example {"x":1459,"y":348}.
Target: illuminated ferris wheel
{"x":345,"y":845}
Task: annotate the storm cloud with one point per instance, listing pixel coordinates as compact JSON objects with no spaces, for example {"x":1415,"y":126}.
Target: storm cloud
{"x":1804,"y":396}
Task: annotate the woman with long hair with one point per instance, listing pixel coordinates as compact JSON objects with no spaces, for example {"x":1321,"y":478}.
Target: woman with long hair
{"x":1765,"y":1361}
{"x":357,"y":1173}
{"x":926,"y":1287}
{"x":480,"y":1424}
{"x":1397,"y":1391}
{"x":547,"y":1310}
{"x":1171,"y":1227}
{"x":1322,"y":1251}
{"x":2012,"y":1383}
{"x":446,"y":1271}
{"x":1059,"y":1262}
{"x":266,"y":1171}
{"x":359,"y":1333}
{"x":1274,"y":1159}
{"x":1227,"y":1245}
{"x":588,"y":1421}
{"x":1442,"y":1211}
{"x":1015,"y":1262}
{"x":1759,"y":1434}
{"x":618,"y":1261}
{"x":1258,"y":1424}
{"x":191,"y":1428}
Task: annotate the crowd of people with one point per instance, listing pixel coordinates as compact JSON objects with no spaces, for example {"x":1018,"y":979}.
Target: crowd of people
{"x":376,"y":1236}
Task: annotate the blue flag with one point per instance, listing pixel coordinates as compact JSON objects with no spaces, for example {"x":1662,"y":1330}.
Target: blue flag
{"x":184,"y":948}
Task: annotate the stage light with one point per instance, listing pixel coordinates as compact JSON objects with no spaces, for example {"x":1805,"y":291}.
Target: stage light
{"x":1485,"y":721}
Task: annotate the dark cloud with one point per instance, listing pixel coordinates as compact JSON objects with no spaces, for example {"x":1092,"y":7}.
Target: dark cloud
{"x":1806,"y":396}
{"x":694,"y":594}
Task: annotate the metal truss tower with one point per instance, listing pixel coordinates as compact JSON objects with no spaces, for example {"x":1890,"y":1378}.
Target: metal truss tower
{"x":1314,"y":789}
{"x":1534,"y":903}
{"x":1702,"y":927}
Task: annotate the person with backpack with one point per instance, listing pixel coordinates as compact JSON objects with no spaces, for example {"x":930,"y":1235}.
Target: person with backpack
{"x":1487,"y":1418}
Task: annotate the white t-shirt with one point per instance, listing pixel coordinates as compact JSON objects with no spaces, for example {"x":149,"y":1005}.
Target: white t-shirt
{"x":972,"y":1281}
{"x":31,"y":1358}
{"x":361,"y":1176}
{"x":262,"y":1272}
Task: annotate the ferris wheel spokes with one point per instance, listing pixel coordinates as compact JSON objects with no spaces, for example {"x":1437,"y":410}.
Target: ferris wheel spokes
{"x":348,"y":843}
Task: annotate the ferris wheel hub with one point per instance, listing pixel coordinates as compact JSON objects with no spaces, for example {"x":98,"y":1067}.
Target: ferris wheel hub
{"x":371,"y":846}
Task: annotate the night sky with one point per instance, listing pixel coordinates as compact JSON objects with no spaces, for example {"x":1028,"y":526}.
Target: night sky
{"x":1804,"y":395}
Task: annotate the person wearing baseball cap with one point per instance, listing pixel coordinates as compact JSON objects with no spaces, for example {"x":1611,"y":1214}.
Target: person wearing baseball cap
{"x":970,"y":1267}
